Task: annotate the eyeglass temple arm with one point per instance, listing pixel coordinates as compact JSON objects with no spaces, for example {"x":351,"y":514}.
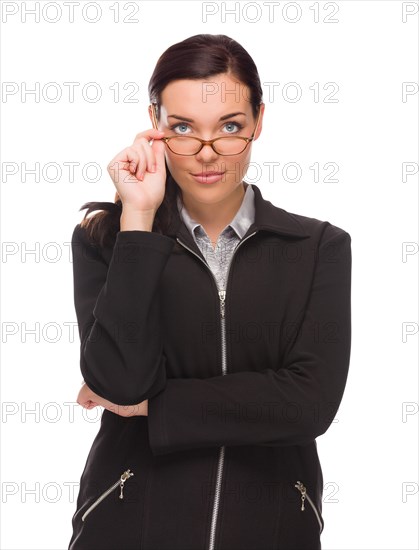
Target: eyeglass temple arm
{"x":153,"y":116}
{"x":257,"y":122}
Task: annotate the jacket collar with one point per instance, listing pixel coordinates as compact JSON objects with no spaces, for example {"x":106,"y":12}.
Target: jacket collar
{"x":268,"y":217}
{"x":241,"y":221}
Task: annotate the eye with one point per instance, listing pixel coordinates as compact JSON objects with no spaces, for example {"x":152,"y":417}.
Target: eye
{"x":179,"y":125}
{"x":230,"y":124}
{"x":233,"y":126}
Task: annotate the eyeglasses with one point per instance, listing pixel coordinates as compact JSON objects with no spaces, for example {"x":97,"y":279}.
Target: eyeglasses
{"x":189,"y":146}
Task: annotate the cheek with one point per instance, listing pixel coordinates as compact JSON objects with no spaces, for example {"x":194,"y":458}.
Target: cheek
{"x":239,"y":165}
{"x":175,"y":162}
{"x":246,"y":158}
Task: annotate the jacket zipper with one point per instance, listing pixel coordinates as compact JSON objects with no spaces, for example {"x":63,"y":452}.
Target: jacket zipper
{"x":120,"y":482}
{"x":304,"y":495}
{"x":222,"y":296}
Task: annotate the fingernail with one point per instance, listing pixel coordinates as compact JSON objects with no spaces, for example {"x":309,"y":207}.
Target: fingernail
{"x":153,"y":168}
{"x":141,"y":177}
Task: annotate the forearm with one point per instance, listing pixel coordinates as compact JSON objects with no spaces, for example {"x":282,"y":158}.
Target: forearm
{"x":121,"y":348}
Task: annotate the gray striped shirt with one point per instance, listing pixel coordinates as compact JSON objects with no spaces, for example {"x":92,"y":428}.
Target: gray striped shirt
{"x":219,"y":258}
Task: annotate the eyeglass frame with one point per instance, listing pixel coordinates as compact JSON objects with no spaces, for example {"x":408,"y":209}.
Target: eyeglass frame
{"x":205,"y":141}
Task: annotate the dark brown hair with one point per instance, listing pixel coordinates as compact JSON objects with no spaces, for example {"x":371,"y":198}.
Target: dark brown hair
{"x":197,"y":57}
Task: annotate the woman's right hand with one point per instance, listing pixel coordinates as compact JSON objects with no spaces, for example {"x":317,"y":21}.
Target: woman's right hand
{"x":141,"y":188}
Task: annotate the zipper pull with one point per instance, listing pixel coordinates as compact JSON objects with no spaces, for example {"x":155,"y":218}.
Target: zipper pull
{"x":303,"y":492}
{"x":124,"y":477}
{"x":222,"y":295}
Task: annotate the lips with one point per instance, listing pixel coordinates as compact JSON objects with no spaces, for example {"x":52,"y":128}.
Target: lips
{"x":206,"y":174}
{"x":208,"y":177}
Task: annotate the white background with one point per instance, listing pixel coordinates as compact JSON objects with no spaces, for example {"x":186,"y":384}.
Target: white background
{"x":364,"y":52}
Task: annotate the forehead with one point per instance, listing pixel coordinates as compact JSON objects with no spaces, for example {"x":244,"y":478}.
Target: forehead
{"x":216,"y":95}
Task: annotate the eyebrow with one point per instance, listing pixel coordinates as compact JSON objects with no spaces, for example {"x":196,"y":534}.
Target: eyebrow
{"x":224,"y":117}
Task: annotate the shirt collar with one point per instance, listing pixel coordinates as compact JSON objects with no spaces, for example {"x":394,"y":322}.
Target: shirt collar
{"x":244,"y":217}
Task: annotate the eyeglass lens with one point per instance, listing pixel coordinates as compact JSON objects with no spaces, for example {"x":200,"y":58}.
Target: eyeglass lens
{"x":223,"y":146}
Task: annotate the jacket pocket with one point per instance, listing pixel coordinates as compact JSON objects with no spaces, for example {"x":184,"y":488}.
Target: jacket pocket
{"x":121,"y":481}
{"x":304,"y":496}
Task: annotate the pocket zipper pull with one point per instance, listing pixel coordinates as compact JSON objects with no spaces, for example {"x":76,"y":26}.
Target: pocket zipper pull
{"x":127,"y":474}
{"x":303,"y":492}
{"x":124,"y":477}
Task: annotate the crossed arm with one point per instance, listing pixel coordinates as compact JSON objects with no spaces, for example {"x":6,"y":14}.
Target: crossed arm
{"x":122,"y":359}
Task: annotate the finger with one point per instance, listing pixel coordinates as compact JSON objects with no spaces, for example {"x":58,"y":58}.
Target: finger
{"x":149,"y":134}
{"x":132,"y":161}
{"x":151,"y":157}
{"x":126,"y":161}
{"x":159,"y":148}
{"x":137,"y":158}
{"x":146,"y":159}
{"x":147,"y":156}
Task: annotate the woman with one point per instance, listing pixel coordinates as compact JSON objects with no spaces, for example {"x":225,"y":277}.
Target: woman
{"x":215,"y":329}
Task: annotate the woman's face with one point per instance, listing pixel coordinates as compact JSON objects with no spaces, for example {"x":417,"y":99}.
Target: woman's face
{"x":215,"y":107}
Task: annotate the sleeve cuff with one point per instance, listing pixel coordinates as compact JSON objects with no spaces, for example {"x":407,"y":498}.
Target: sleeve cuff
{"x":159,"y":242}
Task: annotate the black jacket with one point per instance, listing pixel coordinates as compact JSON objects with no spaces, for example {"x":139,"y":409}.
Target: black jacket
{"x":238,"y":390}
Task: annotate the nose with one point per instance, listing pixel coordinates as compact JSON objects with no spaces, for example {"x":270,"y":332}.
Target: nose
{"x":206,"y":154}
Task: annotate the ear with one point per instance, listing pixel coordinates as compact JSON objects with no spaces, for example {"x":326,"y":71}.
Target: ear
{"x":259,"y":128}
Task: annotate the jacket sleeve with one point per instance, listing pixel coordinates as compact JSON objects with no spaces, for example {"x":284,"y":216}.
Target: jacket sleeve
{"x":291,"y":405}
{"x":117,"y":309}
